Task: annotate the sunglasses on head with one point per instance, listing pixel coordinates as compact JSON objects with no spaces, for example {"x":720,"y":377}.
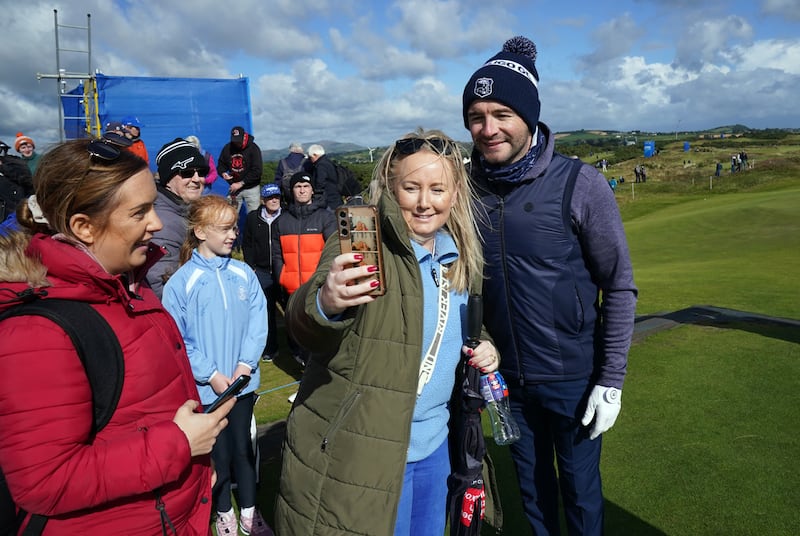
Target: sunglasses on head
{"x":188,"y":173}
{"x":408,"y":146}
{"x":103,"y":150}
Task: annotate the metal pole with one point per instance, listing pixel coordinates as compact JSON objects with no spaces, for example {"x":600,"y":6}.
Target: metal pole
{"x":89,"y":48}
{"x":58,"y":85}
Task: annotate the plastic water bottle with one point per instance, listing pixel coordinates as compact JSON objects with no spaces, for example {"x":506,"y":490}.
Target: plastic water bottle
{"x":495,"y":392}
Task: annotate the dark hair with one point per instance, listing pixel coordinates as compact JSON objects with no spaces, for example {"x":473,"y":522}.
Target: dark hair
{"x":69,"y":181}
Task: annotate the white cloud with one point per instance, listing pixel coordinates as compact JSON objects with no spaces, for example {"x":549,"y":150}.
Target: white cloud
{"x":782,"y":55}
{"x":368,"y":72}
{"x":708,"y":41}
{"x":782,"y":8}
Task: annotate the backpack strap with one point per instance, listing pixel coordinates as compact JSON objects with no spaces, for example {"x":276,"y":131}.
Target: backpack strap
{"x":102,"y":358}
{"x":569,"y":188}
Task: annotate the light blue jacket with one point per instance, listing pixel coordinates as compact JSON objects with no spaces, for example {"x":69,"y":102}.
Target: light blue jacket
{"x":221,"y":312}
{"x":431,"y":412}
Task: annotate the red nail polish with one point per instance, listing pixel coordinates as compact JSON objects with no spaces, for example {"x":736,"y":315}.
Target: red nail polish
{"x":372,"y":268}
{"x":374,"y":283}
{"x":359,"y":257}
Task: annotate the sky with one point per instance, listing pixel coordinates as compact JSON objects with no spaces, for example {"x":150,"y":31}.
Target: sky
{"x":369,"y":72}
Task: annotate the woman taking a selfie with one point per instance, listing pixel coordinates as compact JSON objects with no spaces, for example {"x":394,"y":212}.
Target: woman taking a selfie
{"x":85,"y":236}
{"x":366,"y":450}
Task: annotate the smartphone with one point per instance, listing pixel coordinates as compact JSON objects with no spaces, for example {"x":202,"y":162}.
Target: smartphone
{"x":359,"y":231}
{"x":233,"y":389}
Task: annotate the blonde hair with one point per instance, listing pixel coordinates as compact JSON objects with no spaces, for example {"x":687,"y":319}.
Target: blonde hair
{"x":208,"y":210}
{"x":461,"y":223}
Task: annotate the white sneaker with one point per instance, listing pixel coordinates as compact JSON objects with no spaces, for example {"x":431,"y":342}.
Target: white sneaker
{"x":254,"y":526}
{"x":226,"y":524}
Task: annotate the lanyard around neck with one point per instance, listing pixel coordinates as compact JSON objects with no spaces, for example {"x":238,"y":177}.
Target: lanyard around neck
{"x":429,"y":362}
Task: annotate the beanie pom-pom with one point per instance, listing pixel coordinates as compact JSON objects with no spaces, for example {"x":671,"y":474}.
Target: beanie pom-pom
{"x":521,"y":45}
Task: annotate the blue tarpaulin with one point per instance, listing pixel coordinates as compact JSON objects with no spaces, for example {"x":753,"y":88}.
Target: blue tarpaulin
{"x":168,"y":108}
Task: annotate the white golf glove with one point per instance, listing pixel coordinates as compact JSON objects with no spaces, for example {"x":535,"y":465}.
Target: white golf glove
{"x":603,"y":407}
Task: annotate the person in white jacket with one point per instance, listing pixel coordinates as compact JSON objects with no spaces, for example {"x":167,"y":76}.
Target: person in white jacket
{"x":221,"y":312}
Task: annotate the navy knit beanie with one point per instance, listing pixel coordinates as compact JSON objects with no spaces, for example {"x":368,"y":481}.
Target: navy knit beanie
{"x":510,"y":78}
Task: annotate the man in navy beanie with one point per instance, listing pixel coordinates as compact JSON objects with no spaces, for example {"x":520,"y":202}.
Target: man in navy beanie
{"x":559,"y":297}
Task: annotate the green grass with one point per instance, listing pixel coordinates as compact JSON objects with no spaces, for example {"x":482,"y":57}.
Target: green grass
{"x":706,"y":441}
{"x":736,"y":251}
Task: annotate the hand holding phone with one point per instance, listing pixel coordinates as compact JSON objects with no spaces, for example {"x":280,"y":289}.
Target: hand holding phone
{"x":233,"y":389}
{"x":359,"y":232}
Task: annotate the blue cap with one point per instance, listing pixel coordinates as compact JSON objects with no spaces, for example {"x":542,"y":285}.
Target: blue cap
{"x":268,"y":190}
{"x":131,"y":121}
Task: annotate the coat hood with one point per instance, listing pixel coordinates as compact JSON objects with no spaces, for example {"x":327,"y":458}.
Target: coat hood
{"x":53,"y":268}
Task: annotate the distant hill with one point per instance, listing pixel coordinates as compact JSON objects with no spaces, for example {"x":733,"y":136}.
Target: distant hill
{"x":331,"y":147}
{"x":352,"y":152}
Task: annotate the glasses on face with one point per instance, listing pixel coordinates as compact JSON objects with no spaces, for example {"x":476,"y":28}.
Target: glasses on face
{"x":188,"y":173}
{"x":103,"y":150}
{"x":408,"y":146}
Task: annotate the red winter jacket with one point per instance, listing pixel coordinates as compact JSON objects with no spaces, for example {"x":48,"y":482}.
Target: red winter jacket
{"x":106,"y":487}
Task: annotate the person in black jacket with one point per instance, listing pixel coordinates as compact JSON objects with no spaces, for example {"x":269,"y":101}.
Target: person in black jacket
{"x":15,"y":182}
{"x":298,"y":239}
{"x":241,"y":166}
{"x":257,"y":250}
{"x":325,"y":180}
{"x":559,"y":297}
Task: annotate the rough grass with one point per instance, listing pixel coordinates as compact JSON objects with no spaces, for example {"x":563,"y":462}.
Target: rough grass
{"x":706,"y":442}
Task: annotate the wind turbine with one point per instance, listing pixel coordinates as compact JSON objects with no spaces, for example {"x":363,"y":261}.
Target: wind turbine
{"x":371,"y":150}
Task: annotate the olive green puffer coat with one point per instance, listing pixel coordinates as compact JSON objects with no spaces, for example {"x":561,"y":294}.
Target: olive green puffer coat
{"x":347,"y":436}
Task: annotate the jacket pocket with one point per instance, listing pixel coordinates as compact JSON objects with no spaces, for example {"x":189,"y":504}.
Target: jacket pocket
{"x":339,"y":418}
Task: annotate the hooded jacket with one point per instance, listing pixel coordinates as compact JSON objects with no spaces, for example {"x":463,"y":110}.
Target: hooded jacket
{"x":244,"y":163}
{"x":105,"y":485}
{"x":348,"y":434}
{"x":222,"y":313}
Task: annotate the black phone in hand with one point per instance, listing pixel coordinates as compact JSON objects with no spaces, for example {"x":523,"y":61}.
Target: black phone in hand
{"x":233,"y":389}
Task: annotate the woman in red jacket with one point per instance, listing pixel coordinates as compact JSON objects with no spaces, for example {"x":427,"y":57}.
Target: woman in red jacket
{"x":85,"y":236}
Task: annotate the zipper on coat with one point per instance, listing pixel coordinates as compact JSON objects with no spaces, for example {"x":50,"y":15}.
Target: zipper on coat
{"x":222,"y":288}
{"x":502,"y":221}
{"x":347,"y":405}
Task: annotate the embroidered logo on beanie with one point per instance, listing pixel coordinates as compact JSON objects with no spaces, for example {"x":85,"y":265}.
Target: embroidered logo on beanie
{"x":510,"y":78}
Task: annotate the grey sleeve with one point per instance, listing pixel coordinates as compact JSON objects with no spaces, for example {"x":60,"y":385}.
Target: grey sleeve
{"x":596,"y":214}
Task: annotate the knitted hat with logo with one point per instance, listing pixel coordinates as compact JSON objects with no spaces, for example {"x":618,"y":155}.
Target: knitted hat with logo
{"x":300,"y":176}
{"x":178,"y":155}
{"x":510,"y":78}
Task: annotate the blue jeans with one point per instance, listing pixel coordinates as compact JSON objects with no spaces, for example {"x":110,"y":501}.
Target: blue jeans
{"x":233,"y":451}
{"x":549,"y":417}
{"x":422,"y":510}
